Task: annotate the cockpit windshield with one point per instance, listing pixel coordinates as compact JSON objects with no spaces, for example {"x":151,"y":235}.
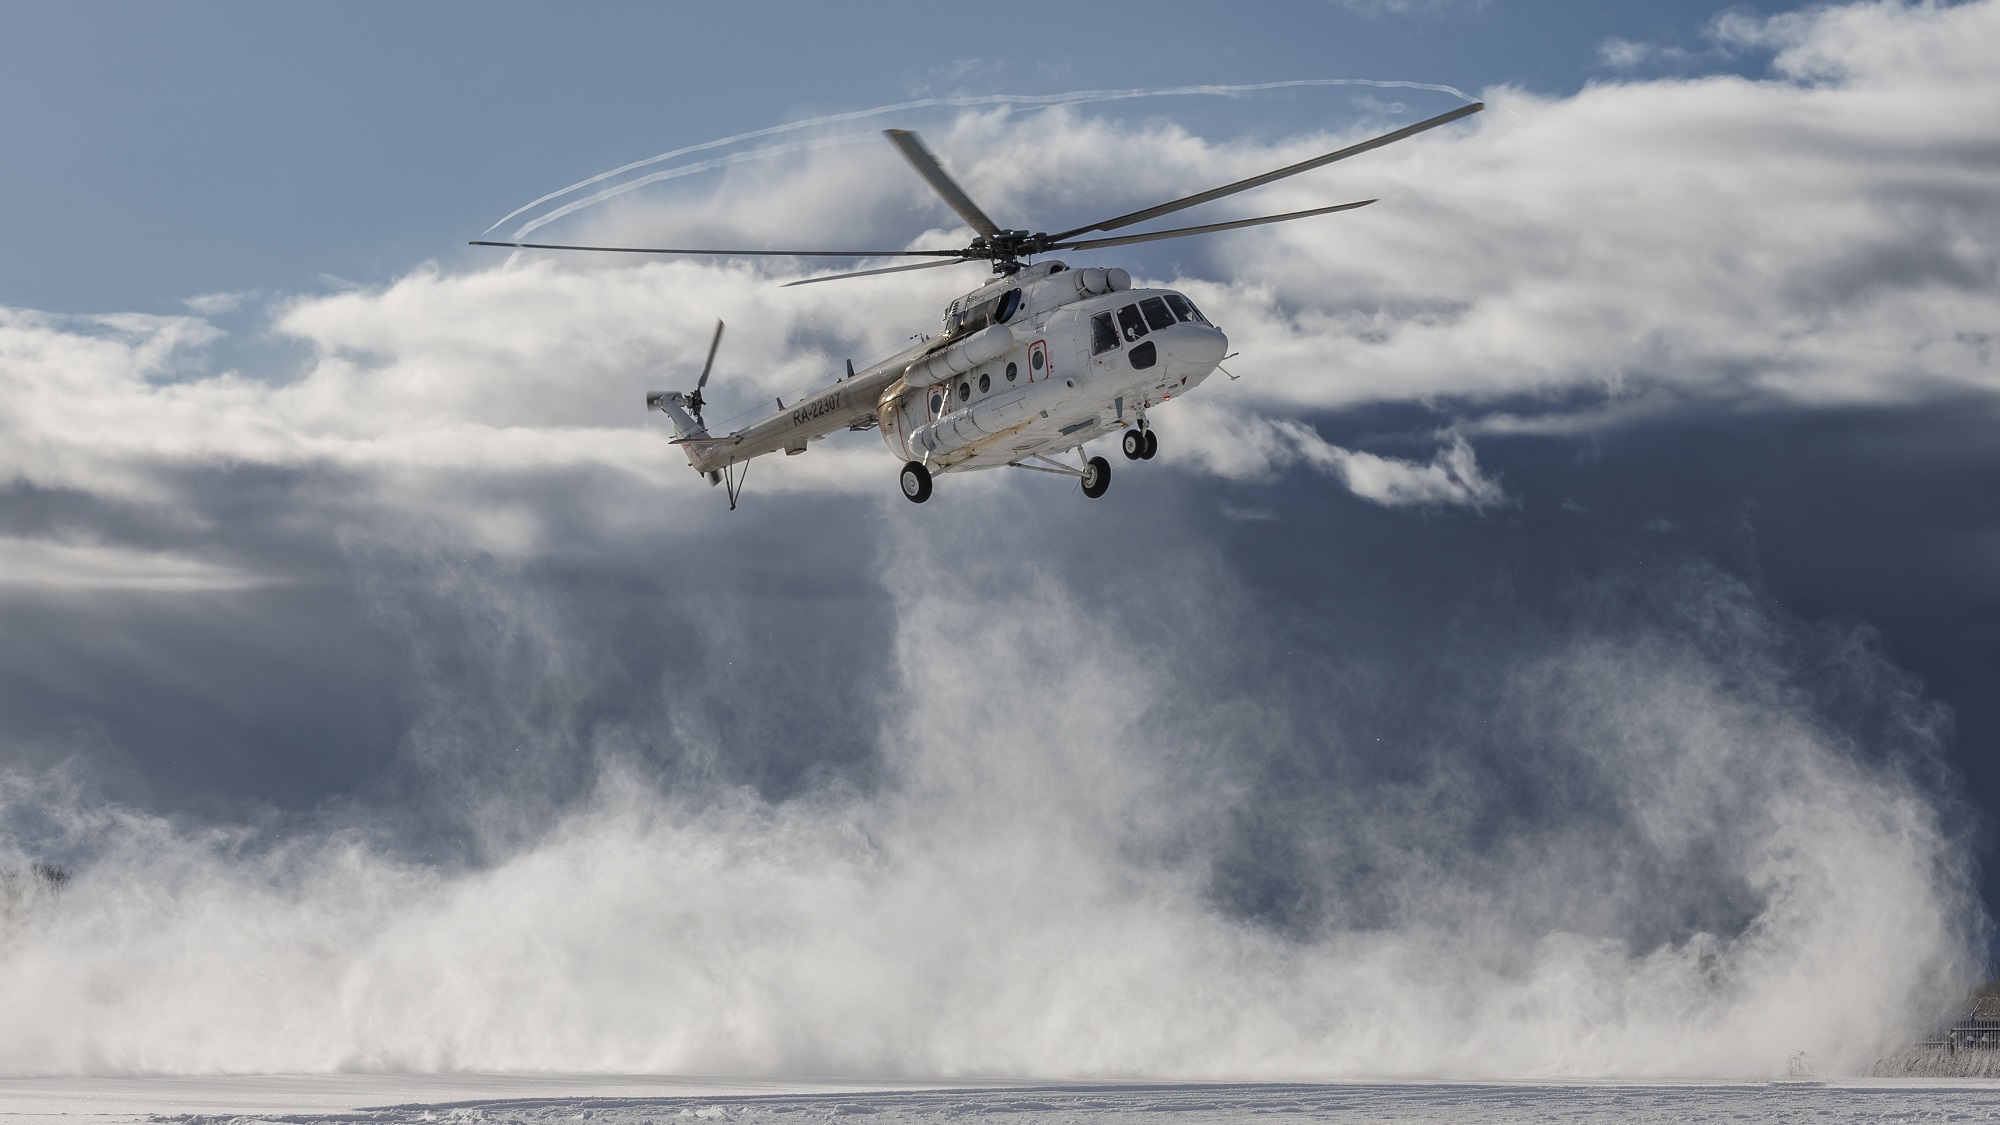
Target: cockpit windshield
{"x":1156,"y":312}
{"x":1131,"y":323}
{"x":1184,"y":308}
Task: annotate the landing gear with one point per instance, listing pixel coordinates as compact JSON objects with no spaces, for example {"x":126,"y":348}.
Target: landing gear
{"x":1096,"y":477}
{"x":916,"y":482}
{"x":1140,"y":444}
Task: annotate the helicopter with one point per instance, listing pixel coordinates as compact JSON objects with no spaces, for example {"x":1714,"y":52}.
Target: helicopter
{"x":1029,"y":367}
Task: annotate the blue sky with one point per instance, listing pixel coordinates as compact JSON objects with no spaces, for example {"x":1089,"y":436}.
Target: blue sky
{"x":158,"y":152}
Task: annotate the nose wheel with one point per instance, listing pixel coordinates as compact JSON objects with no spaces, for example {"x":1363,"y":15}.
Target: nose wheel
{"x":1140,"y":445}
{"x":916,"y":482}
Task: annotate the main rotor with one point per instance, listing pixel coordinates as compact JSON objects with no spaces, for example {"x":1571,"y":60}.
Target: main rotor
{"x":1005,"y":248}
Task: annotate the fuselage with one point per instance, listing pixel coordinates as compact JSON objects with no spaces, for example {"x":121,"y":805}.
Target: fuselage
{"x":1030,"y":364}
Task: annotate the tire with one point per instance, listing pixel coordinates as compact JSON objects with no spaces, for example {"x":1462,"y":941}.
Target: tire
{"x":1134,"y":444}
{"x":1152,"y":445}
{"x":1096,"y":477}
{"x":916,"y":482}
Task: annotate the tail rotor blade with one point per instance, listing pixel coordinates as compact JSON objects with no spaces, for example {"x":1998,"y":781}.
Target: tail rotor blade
{"x":708,"y":366}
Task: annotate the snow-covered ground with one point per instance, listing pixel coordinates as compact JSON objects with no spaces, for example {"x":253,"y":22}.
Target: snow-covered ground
{"x":616,"y":1100}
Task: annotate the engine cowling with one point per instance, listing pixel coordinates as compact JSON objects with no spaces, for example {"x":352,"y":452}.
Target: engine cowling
{"x":983,"y":346}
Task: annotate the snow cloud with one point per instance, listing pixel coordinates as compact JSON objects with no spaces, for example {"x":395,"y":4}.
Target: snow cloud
{"x":1034,"y":890}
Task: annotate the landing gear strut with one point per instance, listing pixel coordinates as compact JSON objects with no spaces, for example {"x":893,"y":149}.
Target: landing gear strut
{"x":916,"y":482}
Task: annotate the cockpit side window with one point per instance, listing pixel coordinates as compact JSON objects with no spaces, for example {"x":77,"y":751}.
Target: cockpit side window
{"x":1180,"y":306}
{"x":1103,"y":337}
{"x":1131,"y":323}
{"x":1156,"y":313}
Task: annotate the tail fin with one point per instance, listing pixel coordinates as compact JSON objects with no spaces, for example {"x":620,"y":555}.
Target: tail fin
{"x":674,"y":405}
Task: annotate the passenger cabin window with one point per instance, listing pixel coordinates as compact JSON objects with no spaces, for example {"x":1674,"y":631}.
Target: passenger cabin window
{"x":1103,"y":337}
{"x":1035,"y":357}
{"x":1011,"y":372}
{"x":1131,"y":323}
{"x":1180,"y":306}
{"x":964,"y":391}
{"x":1156,"y":313}
{"x":985,"y":383}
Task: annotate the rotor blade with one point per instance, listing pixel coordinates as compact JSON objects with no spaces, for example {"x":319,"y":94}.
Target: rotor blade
{"x":733,"y":253}
{"x":868,"y":273}
{"x":927,"y":166}
{"x":712,"y":345}
{"x":1151,"y":236}
{"x":1269,"y":177}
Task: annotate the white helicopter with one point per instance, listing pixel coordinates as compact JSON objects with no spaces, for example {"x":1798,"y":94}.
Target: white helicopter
{"x":1037,"y":362}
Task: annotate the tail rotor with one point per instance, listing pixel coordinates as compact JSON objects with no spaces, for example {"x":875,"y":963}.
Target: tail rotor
{"x":685,"y":409}
{"x":694,"y":401}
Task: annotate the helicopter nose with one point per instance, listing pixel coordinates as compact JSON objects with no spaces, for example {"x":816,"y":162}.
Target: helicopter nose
{"x":1195,"y":349}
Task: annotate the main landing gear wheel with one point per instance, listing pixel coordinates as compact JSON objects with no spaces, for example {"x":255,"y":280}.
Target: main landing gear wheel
{"x":916,"y":482}
{"x":1096,"y":477}
{"x":1152,"y":445}
{"x":1134,"y":444}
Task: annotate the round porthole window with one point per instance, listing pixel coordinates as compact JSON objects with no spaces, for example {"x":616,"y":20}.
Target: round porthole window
{"x":937,"y":403}
{"x":1035,"y":360}
{"x":964,"y":391}
{"x":1011,"y":372}
{"x":985,"y":383}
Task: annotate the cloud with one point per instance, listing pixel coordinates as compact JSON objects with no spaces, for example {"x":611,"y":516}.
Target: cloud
{"x":1450,"y":478}
{"x":1622,"y":53}
{"x":51,"y":565}
{"x":1405,"y":7}
{"x":1634,"y":849}
{"x":217,"y":304}
{"x":889,"y":789}
{"x":1823,"y":237}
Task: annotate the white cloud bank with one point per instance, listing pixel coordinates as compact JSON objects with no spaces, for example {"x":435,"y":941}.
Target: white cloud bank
{"x":1830,"y":235}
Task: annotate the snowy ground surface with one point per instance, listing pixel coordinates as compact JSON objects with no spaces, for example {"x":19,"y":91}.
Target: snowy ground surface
{"x":532,"y":1100}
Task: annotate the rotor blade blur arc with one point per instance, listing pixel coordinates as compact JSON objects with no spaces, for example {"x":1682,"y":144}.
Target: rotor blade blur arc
{"x":1270,"y":177}
{"x":927,"y":166}
{"x":731,"y":253}
{"x":1181,"y":232}
{"x":710,"y":363}
{"x":870,"y":273}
